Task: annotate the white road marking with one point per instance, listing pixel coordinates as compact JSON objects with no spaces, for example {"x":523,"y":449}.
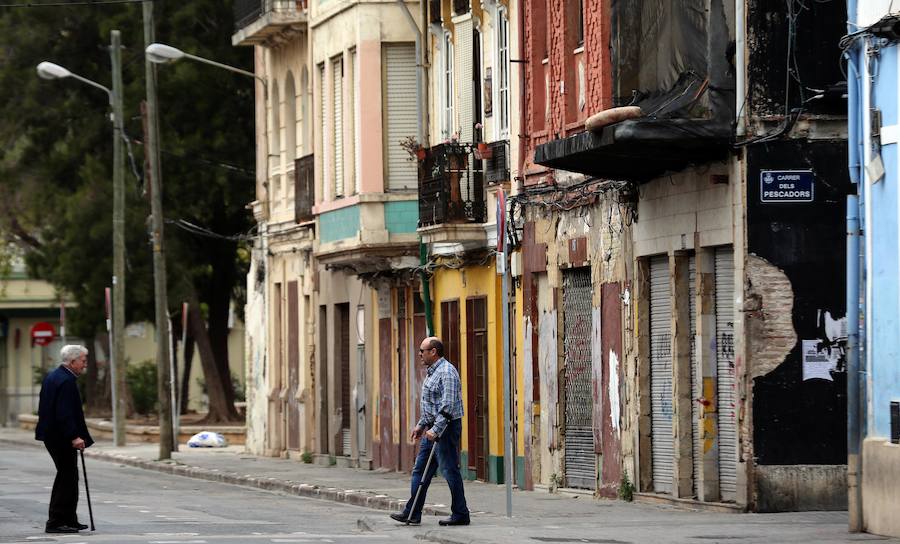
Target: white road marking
{"x":176,"y":542}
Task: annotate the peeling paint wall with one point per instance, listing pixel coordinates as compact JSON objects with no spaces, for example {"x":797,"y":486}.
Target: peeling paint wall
{"x":255,"y":351}
{"x":768,"y":310}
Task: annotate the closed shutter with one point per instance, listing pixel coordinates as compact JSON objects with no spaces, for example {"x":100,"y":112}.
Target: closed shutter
{"x":696,"y":378}
{"x":337,"y":76}
{"x":464,"y":35}
{"x":726,"y":384}
{"x":662,"y":443}
{"x":400,"y":62}
{"x":323,"y":115}
{"x":579,"y":435}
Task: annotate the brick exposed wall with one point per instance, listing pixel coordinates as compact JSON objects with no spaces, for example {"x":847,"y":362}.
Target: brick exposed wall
{"x":543,"y":17}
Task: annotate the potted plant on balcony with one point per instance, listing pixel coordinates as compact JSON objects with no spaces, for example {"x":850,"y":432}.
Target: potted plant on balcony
{"x":414,"y":148}
{"x":482,"y":149}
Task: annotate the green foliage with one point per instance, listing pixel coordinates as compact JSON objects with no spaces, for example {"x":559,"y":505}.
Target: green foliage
{"x":141,"y":381}
{"x":626,"y":488}
{"x":307,"y":457}
{"x":56,"y":155}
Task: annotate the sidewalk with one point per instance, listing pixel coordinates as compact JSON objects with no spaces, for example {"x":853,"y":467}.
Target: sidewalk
{"x":537,"y":515}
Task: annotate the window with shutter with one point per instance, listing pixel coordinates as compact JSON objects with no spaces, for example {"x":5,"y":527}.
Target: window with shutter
{"x":466,"y":94}
{"x":447,"y":95}
{"x":337,"y":74}
{"x":323,"y":121}
{"x":502,"y":70}
{"x":400,"y":115}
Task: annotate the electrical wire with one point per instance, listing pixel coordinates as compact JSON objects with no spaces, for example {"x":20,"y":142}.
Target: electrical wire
{"x":67,"y":4}
{"x":201,"y":231}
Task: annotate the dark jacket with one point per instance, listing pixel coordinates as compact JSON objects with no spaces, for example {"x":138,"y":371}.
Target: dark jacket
{"x":60,"y":416}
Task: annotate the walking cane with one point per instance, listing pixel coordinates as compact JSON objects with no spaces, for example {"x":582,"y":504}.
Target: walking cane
{"x":87,"y":491}
{"x":422,"y":479}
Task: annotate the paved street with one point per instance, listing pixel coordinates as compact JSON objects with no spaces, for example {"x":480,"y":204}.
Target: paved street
{"x":189,"y":510}
{"x":134,"y":505}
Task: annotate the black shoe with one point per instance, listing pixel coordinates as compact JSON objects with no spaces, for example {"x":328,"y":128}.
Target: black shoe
{"x":402,"y":518}
{"x":62,"y":529}
{"x":451,"y":521}
{"x":79,"y":526}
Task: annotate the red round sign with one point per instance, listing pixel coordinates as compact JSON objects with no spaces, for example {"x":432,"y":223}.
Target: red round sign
{"x":42,"y":334}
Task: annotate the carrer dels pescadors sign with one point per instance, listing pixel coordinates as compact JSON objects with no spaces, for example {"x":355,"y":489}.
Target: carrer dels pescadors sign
{"x":786,"y":186}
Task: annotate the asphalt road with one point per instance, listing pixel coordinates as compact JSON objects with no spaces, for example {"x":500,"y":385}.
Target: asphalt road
{"x":135,"y":506}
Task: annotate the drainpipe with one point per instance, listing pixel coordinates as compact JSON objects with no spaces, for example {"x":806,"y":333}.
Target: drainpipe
{"x":854,"y":398}
{"x":740,"y":58}
{"x":523,"y":135}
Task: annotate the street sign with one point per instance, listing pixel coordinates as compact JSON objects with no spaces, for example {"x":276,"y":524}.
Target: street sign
{"x":778,"y":186}
{"x":42,"y":334}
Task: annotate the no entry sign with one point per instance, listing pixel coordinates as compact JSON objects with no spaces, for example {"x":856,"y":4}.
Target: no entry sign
{"x":42,"y":334}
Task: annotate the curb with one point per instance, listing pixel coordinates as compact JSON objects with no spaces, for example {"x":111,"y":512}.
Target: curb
{"x":368,"y":499}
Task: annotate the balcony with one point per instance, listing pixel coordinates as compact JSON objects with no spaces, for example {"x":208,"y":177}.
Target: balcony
{"x":257,"y":22}
{"x":451,"y":195}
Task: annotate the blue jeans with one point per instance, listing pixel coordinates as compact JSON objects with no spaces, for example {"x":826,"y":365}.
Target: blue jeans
{"x":447,"y":455}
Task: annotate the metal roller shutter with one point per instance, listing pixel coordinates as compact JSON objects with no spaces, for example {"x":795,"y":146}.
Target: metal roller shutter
{"x":579,"y":435}
{"x":696,"y":378}
{"x":400,"y":117}
{"x":726,"y":384}
{"x":337,"y":76}
{"x":662,"y":443}
{"x":464,"y":35}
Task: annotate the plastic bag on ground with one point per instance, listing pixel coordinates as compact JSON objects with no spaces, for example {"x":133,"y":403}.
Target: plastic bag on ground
{"x":207,"y":439}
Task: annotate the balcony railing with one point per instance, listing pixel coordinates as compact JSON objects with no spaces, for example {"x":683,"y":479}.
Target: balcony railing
{"x":451,"y":186}
{"x":247,"y":11}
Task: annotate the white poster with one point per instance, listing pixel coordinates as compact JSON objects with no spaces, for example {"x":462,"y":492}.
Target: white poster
{"x":819,"y":362}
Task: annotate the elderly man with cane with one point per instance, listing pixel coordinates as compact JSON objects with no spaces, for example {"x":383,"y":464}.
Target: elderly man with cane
{"x":439,"y":429}
{"x":62,"y":428}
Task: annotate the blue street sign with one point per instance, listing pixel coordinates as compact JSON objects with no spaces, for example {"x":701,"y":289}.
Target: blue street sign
{"x":787,"y":186}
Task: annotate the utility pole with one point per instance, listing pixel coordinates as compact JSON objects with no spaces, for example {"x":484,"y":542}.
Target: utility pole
{"x":151,"y":147}
{"x":118,"y":318}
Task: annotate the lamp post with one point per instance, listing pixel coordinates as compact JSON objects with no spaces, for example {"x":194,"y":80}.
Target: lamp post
{"x":48,"y":70}
{"x":158,"y":53}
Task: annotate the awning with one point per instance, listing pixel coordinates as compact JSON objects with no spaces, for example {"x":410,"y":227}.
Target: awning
{"x":639,"y":149}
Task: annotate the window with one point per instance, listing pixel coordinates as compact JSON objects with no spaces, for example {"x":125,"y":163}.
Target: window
{"x":323,"y":121}
{"x":502,"y":70}
{"x":447,"y":86}
{"x":337,"y":72}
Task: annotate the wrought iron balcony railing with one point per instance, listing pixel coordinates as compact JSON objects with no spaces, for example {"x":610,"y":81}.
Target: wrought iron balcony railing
{"x":451,"y":186}
{"x":247,"y":11}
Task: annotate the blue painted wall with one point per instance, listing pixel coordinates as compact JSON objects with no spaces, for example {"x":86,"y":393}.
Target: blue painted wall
{"x":339,"y":224}
{"x":401,"y":217}
{"x":884,"y":343}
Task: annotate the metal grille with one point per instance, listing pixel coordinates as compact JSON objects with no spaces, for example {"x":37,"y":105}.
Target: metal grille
{"x":696,"y":378}
{"x":662,"y":443}
{"x":726,"y":383}
{"x":579,"y":435}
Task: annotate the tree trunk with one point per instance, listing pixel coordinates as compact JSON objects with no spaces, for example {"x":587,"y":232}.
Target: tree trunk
{"x":96,"y":387}
{"x":220,"y":409}
{"x":186,"y":374}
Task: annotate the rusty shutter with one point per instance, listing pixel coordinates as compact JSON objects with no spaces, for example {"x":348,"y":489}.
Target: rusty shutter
{"x":580,"y":460}
{"x":293,"y":356}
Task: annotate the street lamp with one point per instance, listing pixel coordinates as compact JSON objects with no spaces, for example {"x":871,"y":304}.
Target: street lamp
{"x":159,"y":53}
{"x":49,"y":70}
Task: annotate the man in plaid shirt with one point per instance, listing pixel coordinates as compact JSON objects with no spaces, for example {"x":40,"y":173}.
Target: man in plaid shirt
{"x":440,"y":426}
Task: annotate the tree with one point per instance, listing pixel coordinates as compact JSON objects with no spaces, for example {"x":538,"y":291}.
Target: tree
{"x":55,"y":162}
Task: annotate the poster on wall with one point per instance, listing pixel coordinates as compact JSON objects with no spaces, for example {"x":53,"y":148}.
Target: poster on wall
{"x":819,"y":360}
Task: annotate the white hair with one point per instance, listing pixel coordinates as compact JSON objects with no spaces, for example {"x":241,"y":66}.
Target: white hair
{"x":71,"y":352}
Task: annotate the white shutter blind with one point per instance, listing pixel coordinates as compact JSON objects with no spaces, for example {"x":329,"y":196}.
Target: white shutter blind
{"x":400,"y":63}
{"x":464,"y":37}
{"x":337,"y":74}
{"x":324,"y":132}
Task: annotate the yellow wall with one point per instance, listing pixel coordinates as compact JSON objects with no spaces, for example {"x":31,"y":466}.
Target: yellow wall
{"x":460,"y":284}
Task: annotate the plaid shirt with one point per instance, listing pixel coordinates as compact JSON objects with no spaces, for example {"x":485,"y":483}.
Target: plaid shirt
{"x":441,"y":396}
